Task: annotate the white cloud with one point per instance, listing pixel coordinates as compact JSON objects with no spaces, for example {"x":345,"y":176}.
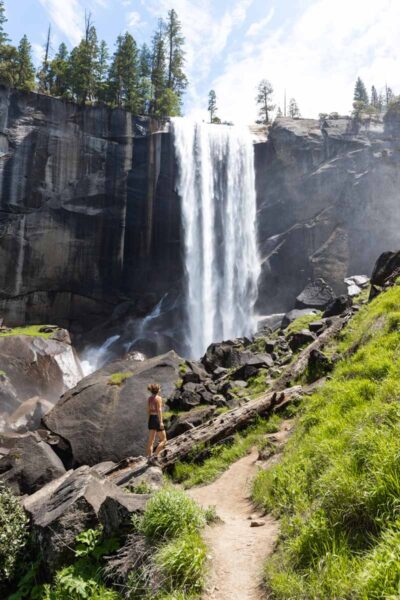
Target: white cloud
{"x":133,"y":19}
{"x":257,"y":27}
{"x":126,"y":2}
{"x":317,"y":58}
{"x":68,"y":16}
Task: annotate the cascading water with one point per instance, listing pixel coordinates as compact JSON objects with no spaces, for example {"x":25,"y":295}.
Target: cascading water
{"x":216,"y":184}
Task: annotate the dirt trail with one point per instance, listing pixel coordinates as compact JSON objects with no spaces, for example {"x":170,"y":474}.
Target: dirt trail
{"x":238,"y":551}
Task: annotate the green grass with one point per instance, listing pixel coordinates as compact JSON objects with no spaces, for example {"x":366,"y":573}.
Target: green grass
{"x":2,"y":373}
{"x":190,"y":474}
{"x":302,"y":323}
{"x":119,"y":378}
{"x":30,"y":330}
{"x":337,"y":489}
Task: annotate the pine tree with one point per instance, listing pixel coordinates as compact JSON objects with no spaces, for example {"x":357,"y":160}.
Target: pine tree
{"x":176,"y":79}
{"x":4,"y":39}
{"x":294,"y":111}
{"x":124,"y":74}
{"x":59,"y":75}
{"x":263,"y":99}
{"x":360,"y":92}
{"x":374,"y":97}
{"x":158,"y":71}
{"x":43,"y":74}
{"x":102,"y":72}
{"x":144,"y":79}
{"x":389,"y":96}
{"x":212,"y":105}
{"x":24,"y":66}
{"x":279,"y":113}
{"x":84,"y":65}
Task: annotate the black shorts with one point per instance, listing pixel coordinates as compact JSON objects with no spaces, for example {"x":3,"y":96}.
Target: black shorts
{"x":154,"y":423}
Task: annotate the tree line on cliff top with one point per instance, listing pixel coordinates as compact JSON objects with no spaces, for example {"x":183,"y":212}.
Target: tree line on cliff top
{"x":144,"y":80}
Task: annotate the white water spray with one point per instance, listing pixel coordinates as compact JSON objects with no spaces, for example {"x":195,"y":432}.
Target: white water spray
{"x":216,"y":184}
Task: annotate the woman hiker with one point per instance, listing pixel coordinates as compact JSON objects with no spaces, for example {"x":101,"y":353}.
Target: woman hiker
{"x":156,"y":425}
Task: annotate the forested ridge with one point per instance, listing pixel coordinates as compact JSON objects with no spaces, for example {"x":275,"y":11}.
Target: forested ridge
{"x":146,"y":79}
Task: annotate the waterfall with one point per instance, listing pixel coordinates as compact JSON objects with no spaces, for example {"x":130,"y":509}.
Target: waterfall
{"x":216,"y":184}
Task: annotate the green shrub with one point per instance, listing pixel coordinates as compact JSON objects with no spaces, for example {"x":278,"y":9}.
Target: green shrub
{"x":13,"y":532}
{"x":182,"y":563}
{"x":169,"y":513}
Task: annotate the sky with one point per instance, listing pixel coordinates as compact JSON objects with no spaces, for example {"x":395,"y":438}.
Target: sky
{"x":313,"y":49}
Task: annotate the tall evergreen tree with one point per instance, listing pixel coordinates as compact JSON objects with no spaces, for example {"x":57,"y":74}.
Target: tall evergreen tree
{"x":176,"y":79}
{"x":102,"y":72}
{"x":212,"y":105}
{"x":84,"y":65}
{"x":360,"y":92}
{"x":374,"y":97}
{"x":43,"y":74}
{"x":59,"y":74}
{"x":4,"y":39}
{"x":263,"y":99}
{"x":294,"y":111}
{"x":24,"y":66}
{"x":145,"y":64}
{"x":8,"y":53}
{"x":124,"y":74}
{"x":158,"y":71}
{"x":389,"y":96}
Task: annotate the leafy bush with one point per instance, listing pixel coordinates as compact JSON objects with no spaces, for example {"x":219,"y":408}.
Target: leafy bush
{"x":182,"y":563}
{"x":337,"y":489}
{"x":13,"y":532}
{"x":169,"y":513}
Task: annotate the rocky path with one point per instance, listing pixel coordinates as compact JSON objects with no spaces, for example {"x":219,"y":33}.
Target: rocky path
{"x":237,"y":549}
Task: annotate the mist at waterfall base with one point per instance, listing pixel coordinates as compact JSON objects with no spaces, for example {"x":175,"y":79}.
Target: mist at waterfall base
{"x":216,"y":185}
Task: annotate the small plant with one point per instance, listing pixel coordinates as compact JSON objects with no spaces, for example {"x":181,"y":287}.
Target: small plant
{"x":13,"y":532}
{"x":119,"y":378}
{"x":183,"y":369}
{"x":181,"y":562}
{"x":140,"y":488}
{"x":169,"y":513}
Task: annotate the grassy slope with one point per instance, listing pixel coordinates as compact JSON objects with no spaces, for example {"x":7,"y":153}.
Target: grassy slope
{"x":31,"y":330}
{"x":337,"y":489}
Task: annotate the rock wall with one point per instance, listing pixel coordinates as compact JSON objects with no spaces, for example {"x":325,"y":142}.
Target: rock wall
{"x":328,"y":203}
{"x":88,"y":214}
{"x":90,"y":226}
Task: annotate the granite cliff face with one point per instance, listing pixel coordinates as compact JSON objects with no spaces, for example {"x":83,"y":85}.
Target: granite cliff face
{"x":88,"y":215}
{"x":328,"y":202}
{"x":90,"y":224}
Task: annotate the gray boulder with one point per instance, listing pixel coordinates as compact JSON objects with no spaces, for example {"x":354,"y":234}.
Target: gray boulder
{"x":317,"y":294}
{"x":28,"y":416}
{"x":9,"y":400}
{"x":38,"y":366}
{"x":190,"y":420}
{"x":338,"y":306}
{"x":105,"y":417}
{"x":77,"y":501}
{"x":29,"y":464}
{"x":300,"y":339}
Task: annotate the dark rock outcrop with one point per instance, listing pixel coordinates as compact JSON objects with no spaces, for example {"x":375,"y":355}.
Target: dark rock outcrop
{"x":386,"y":268}
{"x":296,"y":314}
{"x":105,"y":418}
{"x":88,"y":213}
{"x":317,"y":294}
{"x":338,"y":306}
{"x":79,"y":500}
{"x":29,"y":464}
{"x":328,"y":199}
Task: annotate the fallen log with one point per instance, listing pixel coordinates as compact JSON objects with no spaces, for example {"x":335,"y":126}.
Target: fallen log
{"x":295,"y":370}
{"x":212,"y":432}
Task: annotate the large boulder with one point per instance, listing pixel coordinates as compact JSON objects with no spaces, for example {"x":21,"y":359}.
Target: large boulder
{"x":317,"y":294}
{"x":105,"y":416}
{"x":338,"y":306}
{"x":223,"y":354}
{"x":29,"y":464}
{"x":386,"y":267}
{"x":9,"y":400}
{"x":296,"y":314}
{"x":39,"y":366}
{"x":77,"y":501}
